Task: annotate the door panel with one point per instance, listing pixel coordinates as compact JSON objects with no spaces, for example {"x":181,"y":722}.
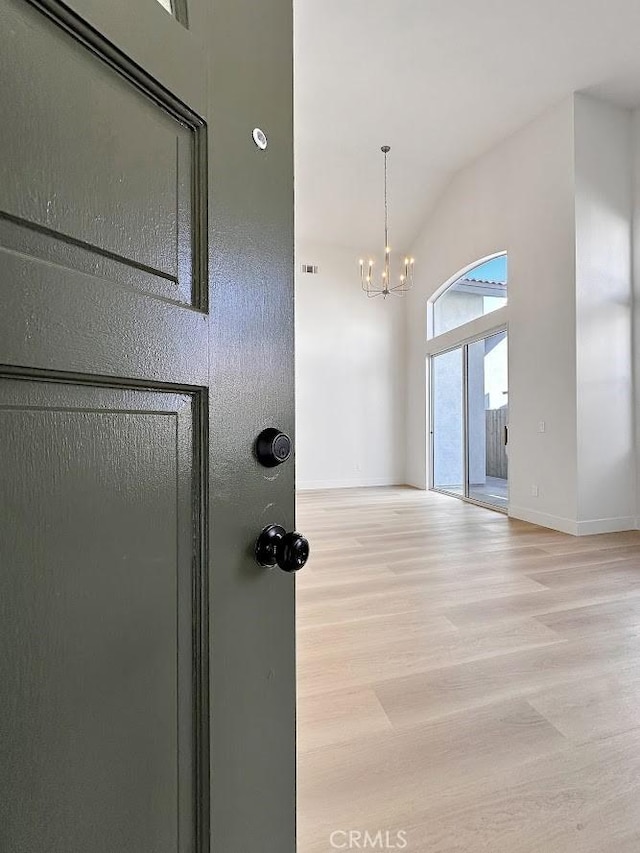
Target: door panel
{"x":447,"y":378}
{"x":111,"y":155}
{"x":100,"y":583}
{"x":488,"y":410}
{"x":144,"y":39}
{"x":146,"y":338}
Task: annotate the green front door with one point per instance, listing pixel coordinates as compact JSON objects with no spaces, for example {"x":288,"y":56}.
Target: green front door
{"x":147,"y":686}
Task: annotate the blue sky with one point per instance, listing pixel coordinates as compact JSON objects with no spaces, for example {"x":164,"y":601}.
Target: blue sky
{"x":495,"y":271}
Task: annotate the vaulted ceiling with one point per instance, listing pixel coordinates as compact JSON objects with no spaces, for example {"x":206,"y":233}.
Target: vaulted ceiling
{"x":440,"y":81}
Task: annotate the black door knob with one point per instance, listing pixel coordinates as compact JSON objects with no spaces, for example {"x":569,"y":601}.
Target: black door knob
{"x":276,"y":547}
{"x":273,"y":447}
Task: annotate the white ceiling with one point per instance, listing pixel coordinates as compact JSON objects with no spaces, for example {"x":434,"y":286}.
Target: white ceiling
{"x":440,"y":81}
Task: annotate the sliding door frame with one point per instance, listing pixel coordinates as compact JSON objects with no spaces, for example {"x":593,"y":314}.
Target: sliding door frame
{"x":463,"y":345}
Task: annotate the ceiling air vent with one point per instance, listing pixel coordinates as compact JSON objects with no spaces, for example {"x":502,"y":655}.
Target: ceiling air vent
{"x":311,"y":269}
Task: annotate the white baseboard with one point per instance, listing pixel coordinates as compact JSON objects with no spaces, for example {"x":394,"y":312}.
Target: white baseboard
{"x":572,"y":526}
{"x":422,"y":486}
{"x":353,"y":483}
{"x":606,"y":525}
{"x":544,"y":519}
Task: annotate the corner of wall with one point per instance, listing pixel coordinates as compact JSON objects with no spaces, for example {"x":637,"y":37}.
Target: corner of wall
{"x":605,"y":375}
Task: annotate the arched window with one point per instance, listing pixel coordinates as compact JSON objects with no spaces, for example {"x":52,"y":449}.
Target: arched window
{"x":478,"y":291}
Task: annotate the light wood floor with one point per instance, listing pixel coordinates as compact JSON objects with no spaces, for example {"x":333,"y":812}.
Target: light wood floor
{"x":470,"y":680}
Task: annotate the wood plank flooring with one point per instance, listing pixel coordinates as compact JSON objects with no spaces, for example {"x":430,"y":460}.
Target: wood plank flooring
{"x":469,"y":680}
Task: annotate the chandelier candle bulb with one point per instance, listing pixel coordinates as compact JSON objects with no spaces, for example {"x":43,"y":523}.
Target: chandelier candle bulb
{"x":406,"y":277}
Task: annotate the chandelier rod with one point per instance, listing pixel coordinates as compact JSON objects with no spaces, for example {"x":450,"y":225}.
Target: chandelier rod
{"x":385,"y":149}
{"x":386,"y":275}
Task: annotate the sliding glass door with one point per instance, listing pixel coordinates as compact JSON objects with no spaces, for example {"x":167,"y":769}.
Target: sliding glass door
{"x":487,"y":416}
{"x":447,"y":378}
{"x":469,"y":421}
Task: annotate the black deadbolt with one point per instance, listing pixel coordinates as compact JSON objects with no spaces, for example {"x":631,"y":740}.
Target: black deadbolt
{"x":273,"y":447}
{"x":276,"y":547}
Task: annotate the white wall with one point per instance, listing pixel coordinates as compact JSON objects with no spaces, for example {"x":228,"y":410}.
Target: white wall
{"x":349,"y":376}
{"x":558,"y":197}
{"x":604,"y":292}
{"x":518,"y":198}
{"x":635,"y":222}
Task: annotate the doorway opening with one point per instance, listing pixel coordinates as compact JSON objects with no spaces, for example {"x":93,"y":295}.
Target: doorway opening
{"x":469,"y":421}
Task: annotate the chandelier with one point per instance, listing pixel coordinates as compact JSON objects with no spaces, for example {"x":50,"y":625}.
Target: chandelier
{"x":383,"y":286}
